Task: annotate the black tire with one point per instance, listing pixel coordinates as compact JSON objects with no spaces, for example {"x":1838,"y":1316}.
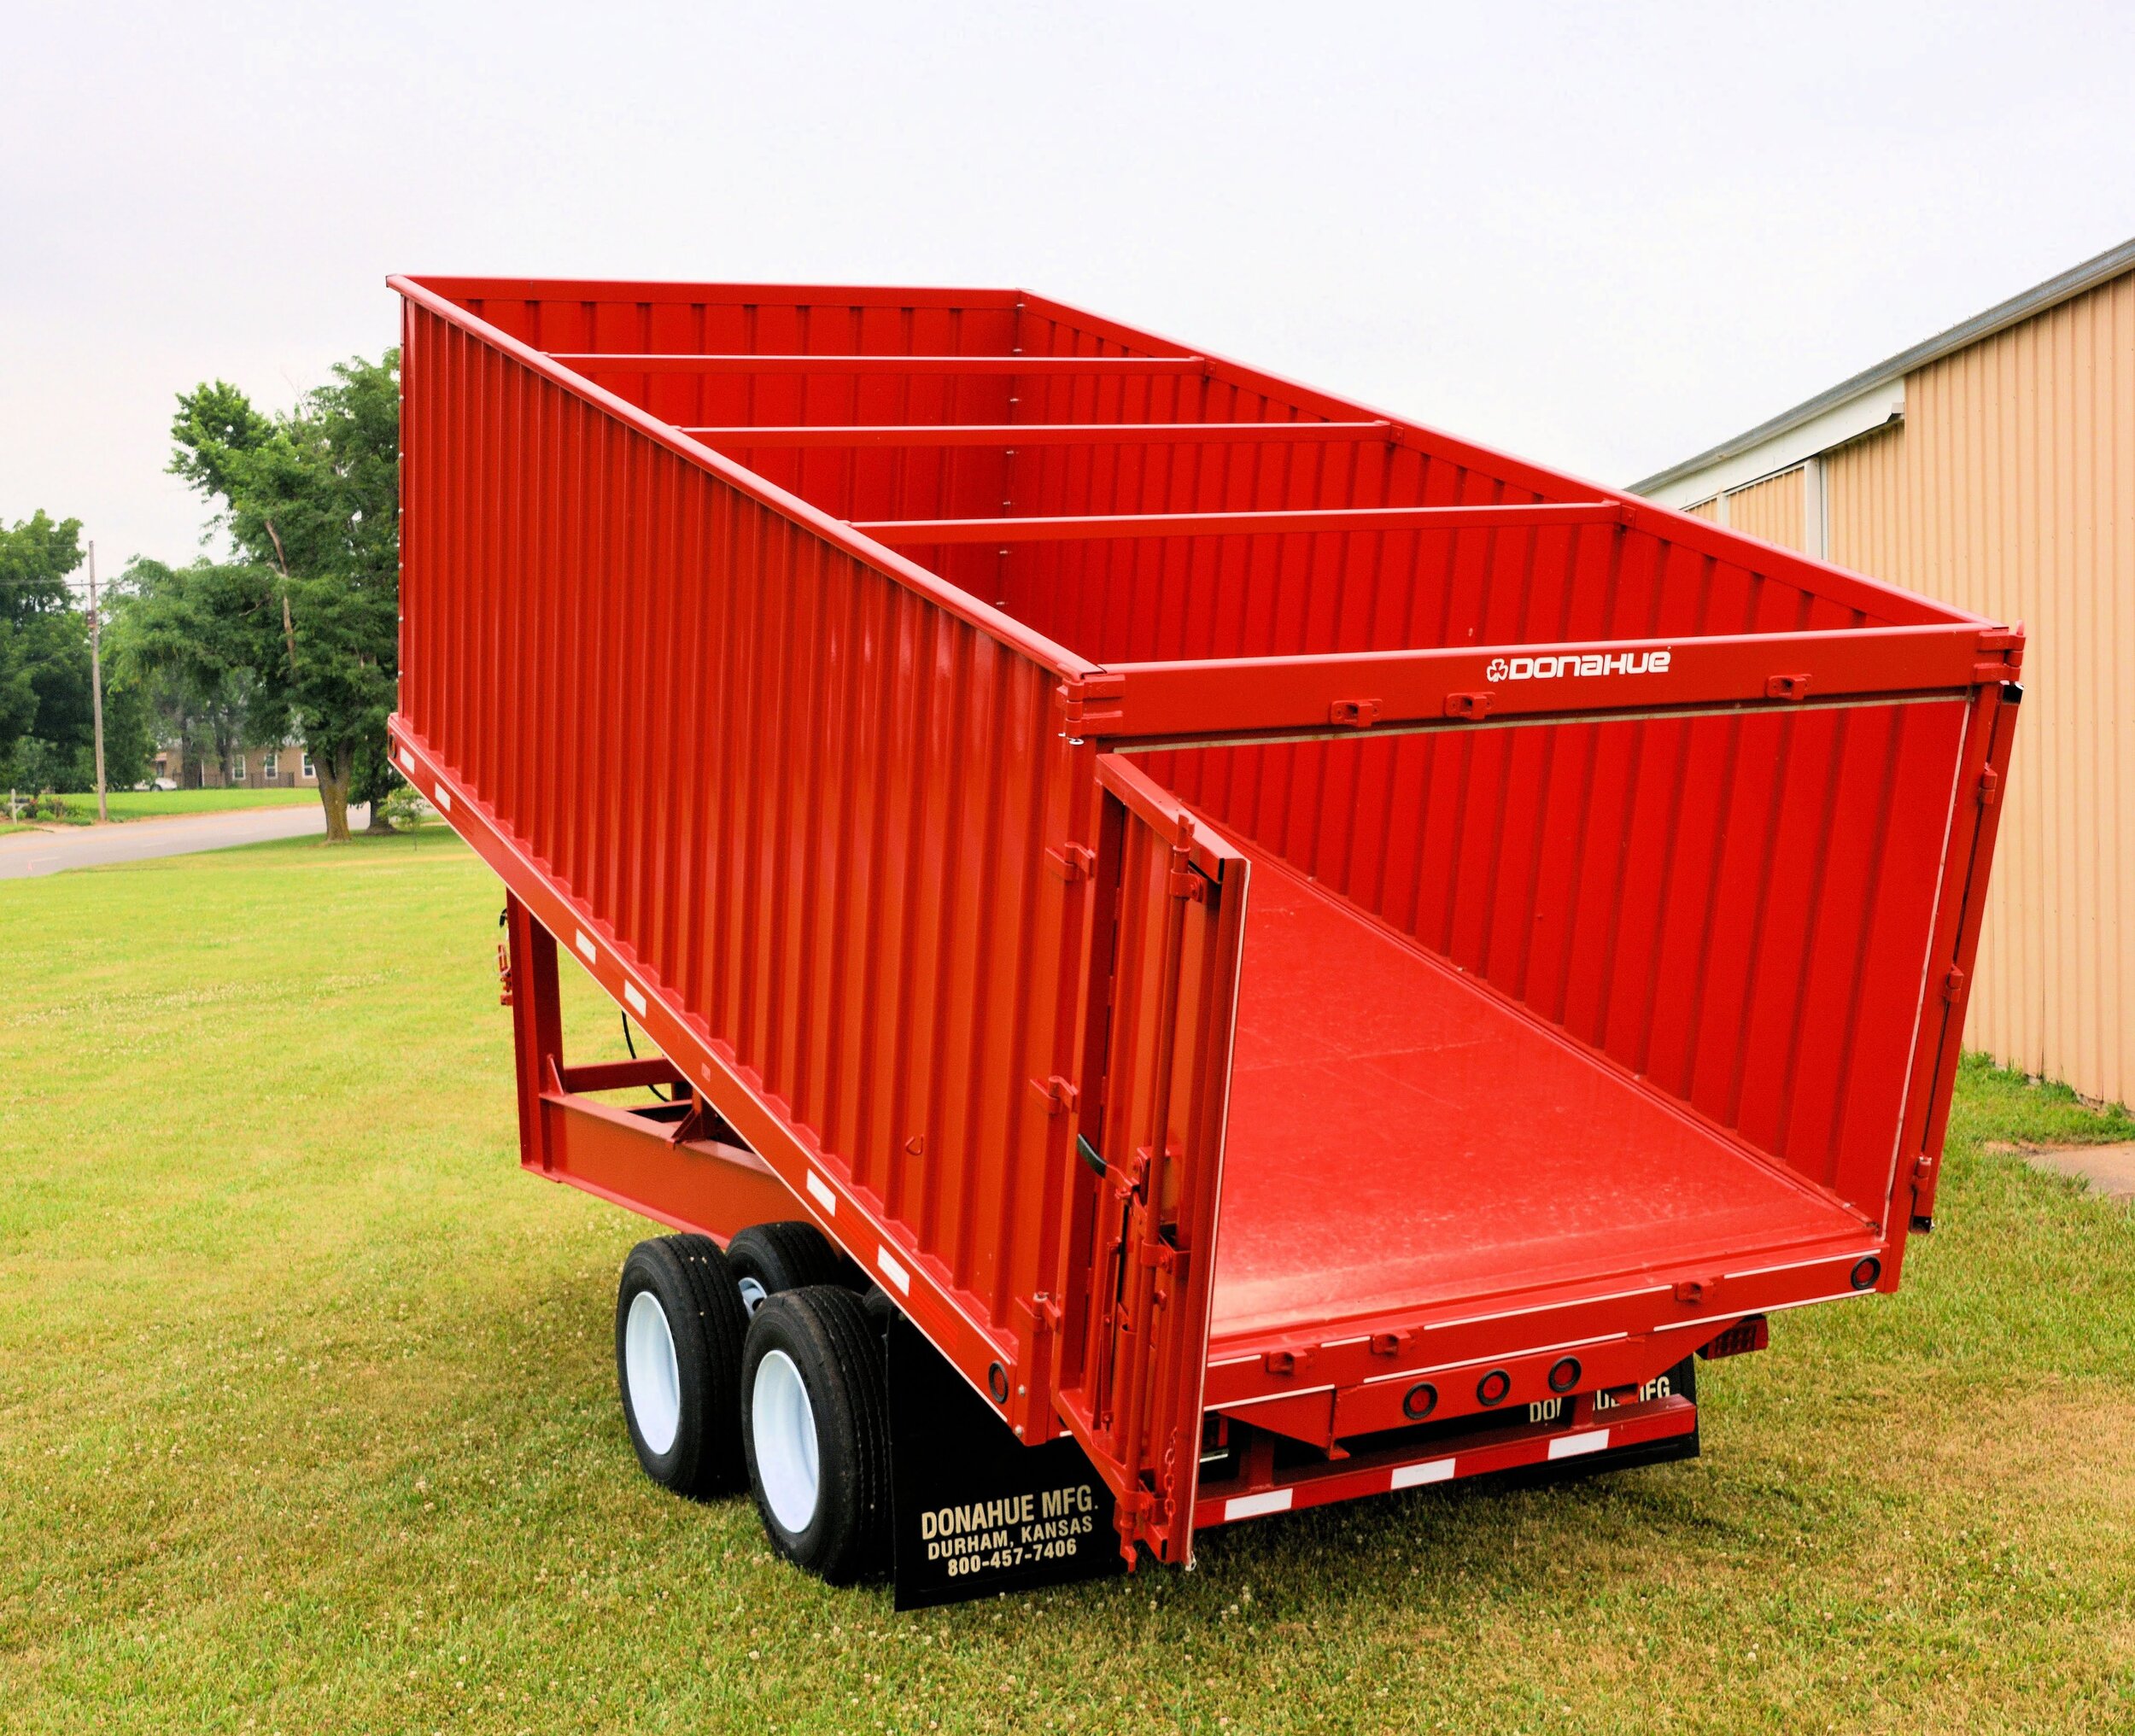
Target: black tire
{"x":688,"y":1438}
{"x":823,"y":1336}
{"x":770,"y":1259}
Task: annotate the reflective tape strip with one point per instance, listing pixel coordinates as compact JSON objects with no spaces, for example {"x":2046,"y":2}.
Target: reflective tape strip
{"x":635,"y":997}
{"x":1572,"y":1446}
{"x":821,"y":1189}
{"x":894,"y":1270}
{"x":1251,"y":1506}
{"x":443,"y":798}
{"x":1407,"y":1476}
{"x":584,"y":944}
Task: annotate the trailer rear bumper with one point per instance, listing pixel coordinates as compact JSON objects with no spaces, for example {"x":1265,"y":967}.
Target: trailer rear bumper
{"x":1661,"y":1428}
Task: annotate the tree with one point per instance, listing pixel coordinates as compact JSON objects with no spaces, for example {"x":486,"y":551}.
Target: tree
{"x":46,"y":732}
{"x":311,"y":503}
{"x":183,"y":634}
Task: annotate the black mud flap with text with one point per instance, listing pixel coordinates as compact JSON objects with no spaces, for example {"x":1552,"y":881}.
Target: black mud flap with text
{"x":977,"y":1512}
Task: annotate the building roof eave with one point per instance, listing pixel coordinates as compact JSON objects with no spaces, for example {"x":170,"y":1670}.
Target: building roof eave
{"x":1685,"y":479}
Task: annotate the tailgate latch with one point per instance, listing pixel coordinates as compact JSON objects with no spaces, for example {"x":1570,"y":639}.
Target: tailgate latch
{"x":1786,"y":687}
{"x":1356,"y":714}
{"x":1058,"y":1095}
{"x":1072,"y":861}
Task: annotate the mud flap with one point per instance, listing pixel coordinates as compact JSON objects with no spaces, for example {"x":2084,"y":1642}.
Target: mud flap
{"x":975,"y":1512}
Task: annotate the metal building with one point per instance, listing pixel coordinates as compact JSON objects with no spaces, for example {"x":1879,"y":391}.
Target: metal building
{"x":1993,"y":467}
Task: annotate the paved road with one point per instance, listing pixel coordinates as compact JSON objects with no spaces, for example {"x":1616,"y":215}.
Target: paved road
{"x":23,"y":854}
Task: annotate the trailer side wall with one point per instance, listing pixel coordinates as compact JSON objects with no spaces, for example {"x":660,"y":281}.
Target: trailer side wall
{"x":808,"y":807}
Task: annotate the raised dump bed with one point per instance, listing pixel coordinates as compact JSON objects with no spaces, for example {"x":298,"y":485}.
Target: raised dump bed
{"x":1296,"y":956}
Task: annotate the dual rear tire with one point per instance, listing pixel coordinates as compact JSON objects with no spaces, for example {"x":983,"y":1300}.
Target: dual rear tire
{"x":757,"y":1366}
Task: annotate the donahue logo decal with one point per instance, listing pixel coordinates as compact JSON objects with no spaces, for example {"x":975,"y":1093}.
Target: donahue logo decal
{"x":1587,"y":663}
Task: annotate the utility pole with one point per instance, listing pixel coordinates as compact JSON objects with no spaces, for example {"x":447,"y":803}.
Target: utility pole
{"x":96,"y":686}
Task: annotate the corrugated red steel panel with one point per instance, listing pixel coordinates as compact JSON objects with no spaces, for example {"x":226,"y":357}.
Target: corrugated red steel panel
{"x":805,"y":804}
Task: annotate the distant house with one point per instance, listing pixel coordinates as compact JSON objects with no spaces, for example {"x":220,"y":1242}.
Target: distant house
{"x":1993,"y":467}
{"x":259,"y":767}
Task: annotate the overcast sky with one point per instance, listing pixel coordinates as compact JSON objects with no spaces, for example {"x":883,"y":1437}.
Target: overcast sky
{"x":1602,"y":238}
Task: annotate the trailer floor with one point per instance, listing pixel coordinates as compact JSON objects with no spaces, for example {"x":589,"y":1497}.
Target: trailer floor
{"x":1401,"y":1139}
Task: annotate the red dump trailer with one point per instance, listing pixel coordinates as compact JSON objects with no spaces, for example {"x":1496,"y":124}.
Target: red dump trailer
{"x":1211,"y":949}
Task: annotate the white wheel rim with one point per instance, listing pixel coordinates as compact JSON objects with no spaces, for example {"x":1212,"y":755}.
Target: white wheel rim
{"x":782,"y":1425}
{"x":652,"y":1372}
{"x":753,"y":1295}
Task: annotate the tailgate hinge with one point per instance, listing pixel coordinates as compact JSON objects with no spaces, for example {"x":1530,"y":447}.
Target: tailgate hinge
{"x":1163,"y":1256}
{"x":1990,"y":787}
{"x":1058,"y":1095}
{"x":1188,"y":884}
{"x":1090,"y":703}
{"x":1953,"y":984}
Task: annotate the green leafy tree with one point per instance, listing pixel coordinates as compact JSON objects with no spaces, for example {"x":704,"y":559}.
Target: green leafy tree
{"x":44,"y":704}
{"x":311,"y":502}
{"x":188,"y":636}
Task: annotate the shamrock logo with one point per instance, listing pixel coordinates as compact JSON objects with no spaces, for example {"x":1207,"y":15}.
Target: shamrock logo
{"x":1496,"y":670}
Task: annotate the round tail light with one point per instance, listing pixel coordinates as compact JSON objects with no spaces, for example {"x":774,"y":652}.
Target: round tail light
{"x":1493,"y":1387}
{"x":1419,"y":1401}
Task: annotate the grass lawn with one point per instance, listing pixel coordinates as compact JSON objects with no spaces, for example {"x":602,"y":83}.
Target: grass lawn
{"x":307,"y":1421}
{"x":147,"y":804}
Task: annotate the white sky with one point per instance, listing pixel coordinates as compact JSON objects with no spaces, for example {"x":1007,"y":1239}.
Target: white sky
{"x":1601,"y":236}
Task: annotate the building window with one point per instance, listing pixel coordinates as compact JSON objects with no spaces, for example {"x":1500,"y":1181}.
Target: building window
{"x":236,"y":769}
{"x":308,"y":768}
{"x":274,"y":767}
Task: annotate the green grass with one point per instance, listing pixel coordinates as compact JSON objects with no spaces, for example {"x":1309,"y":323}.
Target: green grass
{"x":1998,"y":1104}
{"x":308,"y":1422}
{"x":148,"y":805}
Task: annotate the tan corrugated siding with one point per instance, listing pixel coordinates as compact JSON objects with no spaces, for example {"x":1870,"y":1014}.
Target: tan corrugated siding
{"x":2009,"y":489}
{"x":1707,"y":510}
{"x":1771,"y":509}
